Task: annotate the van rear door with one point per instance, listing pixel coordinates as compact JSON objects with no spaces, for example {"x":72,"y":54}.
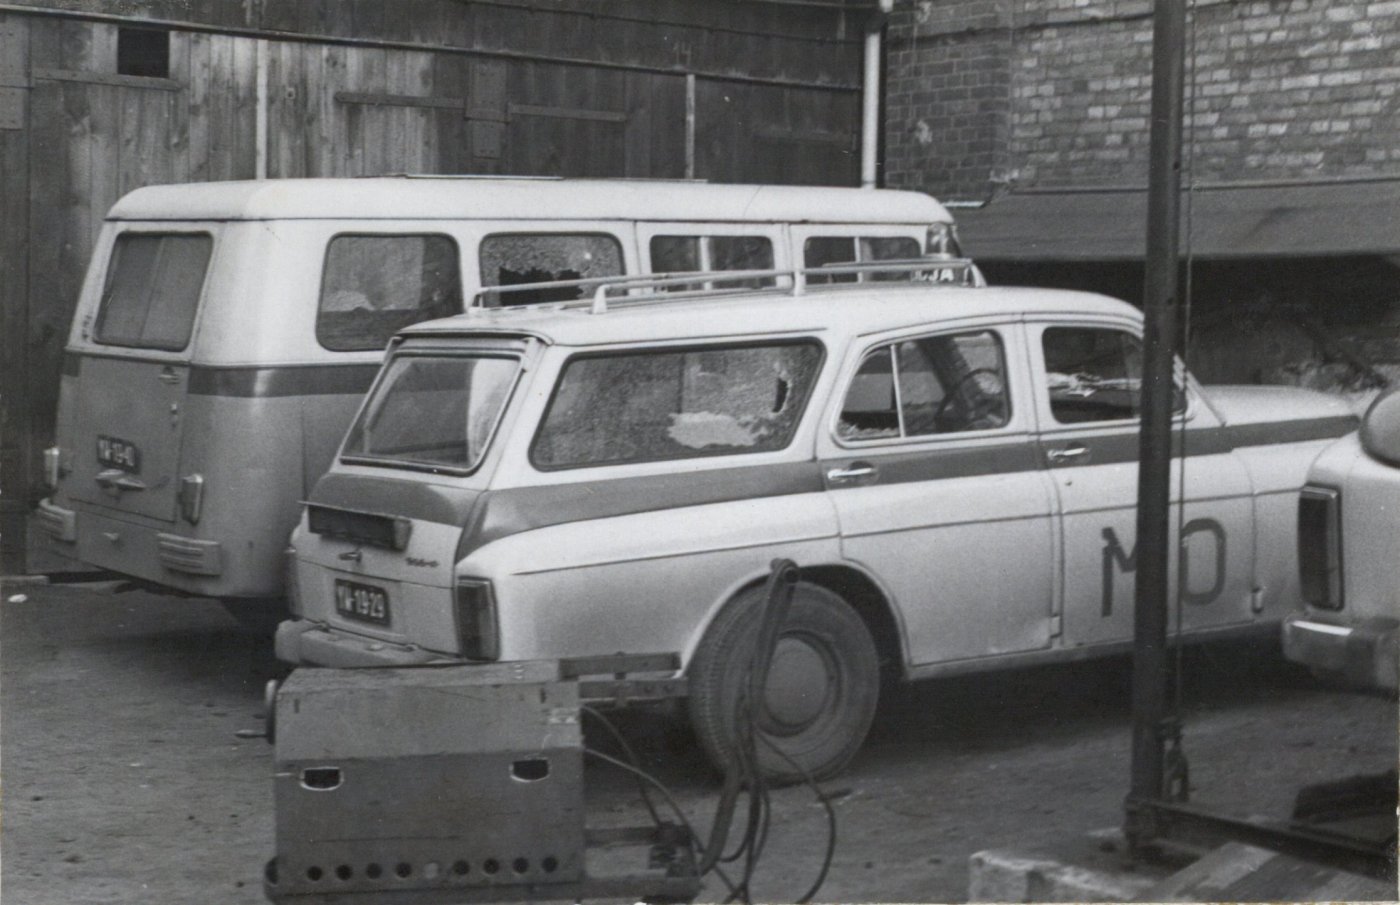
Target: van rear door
{"x":131,"y":392}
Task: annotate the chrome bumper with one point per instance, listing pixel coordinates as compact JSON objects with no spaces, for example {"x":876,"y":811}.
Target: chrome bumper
{"x":303,"y":643}
{"x":1364,"y":652}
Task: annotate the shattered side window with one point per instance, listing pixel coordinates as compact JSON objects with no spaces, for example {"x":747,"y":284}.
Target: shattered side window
{"x":510,"y":259}
{"x":372,"y":286}
{"x":675,"y":404}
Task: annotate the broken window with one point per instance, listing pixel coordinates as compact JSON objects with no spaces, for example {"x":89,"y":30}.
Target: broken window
{"x":511,"y":259}
{"x":930,"y":385}
{"x":1095,"y":374}
{"x":670,"y":404}
{"x":374,"y":286}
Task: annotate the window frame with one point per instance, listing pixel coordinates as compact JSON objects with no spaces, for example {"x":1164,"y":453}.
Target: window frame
{"x":99,"y":316}
{"x":1180,"y":378}
{"x":558,"y":382}
{"x":482,"y":284}
{"x":423,"y":467}
{"x":1005,"y":340}
{"x":462,"y":297}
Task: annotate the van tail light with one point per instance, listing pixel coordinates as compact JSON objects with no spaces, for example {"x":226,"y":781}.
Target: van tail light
{"x":53,"y":467}
{"x":477,"y":628}
{"x":1320,"y":546}
{"x":942,"y":239}
{"x":191,"y":497}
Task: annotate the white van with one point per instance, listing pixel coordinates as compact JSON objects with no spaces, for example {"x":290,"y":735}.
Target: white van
{"x":226,"y":332}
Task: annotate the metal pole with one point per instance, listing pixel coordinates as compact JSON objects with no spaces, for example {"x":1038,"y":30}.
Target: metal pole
{"x":1161,"y":308}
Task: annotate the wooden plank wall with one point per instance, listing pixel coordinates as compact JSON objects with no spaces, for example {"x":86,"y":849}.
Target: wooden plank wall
{"x":14,"y":289}
{"x":75,"y":136}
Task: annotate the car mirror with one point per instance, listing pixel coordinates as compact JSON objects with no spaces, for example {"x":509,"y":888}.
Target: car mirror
{"x":1380,"y":427}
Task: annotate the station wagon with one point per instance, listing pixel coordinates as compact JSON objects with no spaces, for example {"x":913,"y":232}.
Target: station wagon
{"x":953,"y":468}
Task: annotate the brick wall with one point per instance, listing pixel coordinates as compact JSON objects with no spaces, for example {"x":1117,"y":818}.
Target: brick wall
{"x":1051,"y":93}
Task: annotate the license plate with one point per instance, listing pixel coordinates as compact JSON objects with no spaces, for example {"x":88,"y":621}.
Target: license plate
{"x":116,"y":453}
{"x":362,"y":601}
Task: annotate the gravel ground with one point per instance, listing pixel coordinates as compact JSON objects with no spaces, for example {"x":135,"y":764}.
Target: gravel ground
{"x":124,"y":782}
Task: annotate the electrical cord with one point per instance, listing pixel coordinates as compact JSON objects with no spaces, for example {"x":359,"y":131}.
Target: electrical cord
{"x":744,"y":773}
{"x":630,"y":754}
{"x":670,"y":801}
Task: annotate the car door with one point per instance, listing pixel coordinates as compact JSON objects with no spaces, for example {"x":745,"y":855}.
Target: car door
{"x":1088,"y":376}
{"x":940,"y":493}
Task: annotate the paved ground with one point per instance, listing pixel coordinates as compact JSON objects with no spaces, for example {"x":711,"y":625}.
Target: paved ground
{"x":124,"y":782}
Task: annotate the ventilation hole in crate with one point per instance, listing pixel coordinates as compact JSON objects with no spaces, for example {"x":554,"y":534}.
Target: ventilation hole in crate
{"x":320,"y":779}
{"x":461,"y":868}
{"x":491,"y":865}
{"x":520,"y":865}
{"x":344,"y":872}
{"x":403,"y":869}
{"x":531,"y":769}
{"x":550,"y":864}
{"x":374,"y":871}
{"x":314,"y":873}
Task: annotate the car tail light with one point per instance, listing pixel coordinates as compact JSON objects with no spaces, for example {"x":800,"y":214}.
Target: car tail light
{"x":53,"y":466}
{"x":191,"y":497}
{"x":1320,"y":546}
{"x":477,"y":629}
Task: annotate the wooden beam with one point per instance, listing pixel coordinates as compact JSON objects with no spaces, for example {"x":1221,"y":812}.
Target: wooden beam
{"x":606,"y":116}
{"x":106,"y":78}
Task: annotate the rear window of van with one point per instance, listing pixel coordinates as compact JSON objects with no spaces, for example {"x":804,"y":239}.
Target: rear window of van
{"x":375,"y":285}
{"x":153,"y":286}
{"x":676,"y":404}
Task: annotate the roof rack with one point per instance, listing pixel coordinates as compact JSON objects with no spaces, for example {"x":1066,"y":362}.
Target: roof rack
{"x":658,"y":287}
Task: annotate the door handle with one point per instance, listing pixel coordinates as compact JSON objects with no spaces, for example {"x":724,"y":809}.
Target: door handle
{"x":857,"y":471}
{"x":1067,"y":454}
{"x":168,"y":375}
{"x":115,"y":479}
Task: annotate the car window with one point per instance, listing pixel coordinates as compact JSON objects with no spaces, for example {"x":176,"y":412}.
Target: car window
{"x":375,"y":285}
{"x":689,"y":254}
{"x":510,"y":259}
{"x":818,"y":251}
{"x":1095,"y":374}
{"x":152,"y":290}
{"x":931,"y":385}
{"x":431,"y":411}
{"x":647,"y":405}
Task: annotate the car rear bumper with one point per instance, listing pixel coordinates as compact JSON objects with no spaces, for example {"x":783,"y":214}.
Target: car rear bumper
{"x":1364,"y":652}
{"x":304,"y":643}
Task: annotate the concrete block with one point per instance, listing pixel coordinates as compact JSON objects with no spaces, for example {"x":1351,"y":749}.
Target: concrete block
{"x":1007,"y":876}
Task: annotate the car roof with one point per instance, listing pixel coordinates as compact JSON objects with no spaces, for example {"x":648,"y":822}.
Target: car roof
{"x":486,"y":198}
{"x":846,"y":310}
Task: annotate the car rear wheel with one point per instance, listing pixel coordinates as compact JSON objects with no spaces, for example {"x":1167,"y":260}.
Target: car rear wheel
{"x":822,"y":686}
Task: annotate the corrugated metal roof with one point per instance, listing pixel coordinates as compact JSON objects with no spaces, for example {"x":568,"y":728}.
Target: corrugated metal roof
{"x":1226,"y":221}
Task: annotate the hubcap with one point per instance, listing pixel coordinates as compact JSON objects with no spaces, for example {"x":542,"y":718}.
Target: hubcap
{"x":799,"y":687}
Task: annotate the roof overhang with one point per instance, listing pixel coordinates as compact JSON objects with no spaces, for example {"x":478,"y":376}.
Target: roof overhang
{"x":1218,"y":221}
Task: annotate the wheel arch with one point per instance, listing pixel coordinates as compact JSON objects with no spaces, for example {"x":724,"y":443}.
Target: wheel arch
{"x":873,"y":606}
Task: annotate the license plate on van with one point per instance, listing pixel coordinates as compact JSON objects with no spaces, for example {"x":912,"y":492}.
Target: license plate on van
{"x":363,"y":602}
{"x":116,"y":453}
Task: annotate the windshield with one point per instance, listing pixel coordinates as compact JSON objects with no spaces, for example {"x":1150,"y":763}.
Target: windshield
{"x":433,"y":412}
